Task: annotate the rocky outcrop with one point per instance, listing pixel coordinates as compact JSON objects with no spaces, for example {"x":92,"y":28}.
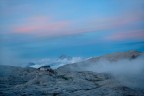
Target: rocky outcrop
{"x":15,"y":81}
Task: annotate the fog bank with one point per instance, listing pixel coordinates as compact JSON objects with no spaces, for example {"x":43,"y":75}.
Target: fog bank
{"x":128,"y":72}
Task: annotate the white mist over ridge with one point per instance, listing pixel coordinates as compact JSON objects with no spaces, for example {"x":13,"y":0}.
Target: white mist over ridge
{"x":55,"y":62}
{"x":126,"y":67}
{"x":128,"y":72}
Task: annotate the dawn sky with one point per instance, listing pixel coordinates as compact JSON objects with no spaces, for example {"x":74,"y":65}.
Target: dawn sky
{"x":32,"y":29}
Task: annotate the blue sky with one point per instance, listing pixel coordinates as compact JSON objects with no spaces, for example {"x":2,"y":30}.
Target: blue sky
{"x":48,"y":28}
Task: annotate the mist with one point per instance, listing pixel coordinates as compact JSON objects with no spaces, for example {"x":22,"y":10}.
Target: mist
{"x":56,"y":62}
{"x":127,"y":72}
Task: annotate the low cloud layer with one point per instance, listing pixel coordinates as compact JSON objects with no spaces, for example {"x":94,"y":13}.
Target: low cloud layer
{"x":128,"y":72}
{"x":56,"y":62}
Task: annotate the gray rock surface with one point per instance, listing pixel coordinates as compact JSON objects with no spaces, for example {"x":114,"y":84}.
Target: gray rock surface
{"x":15,"y":81}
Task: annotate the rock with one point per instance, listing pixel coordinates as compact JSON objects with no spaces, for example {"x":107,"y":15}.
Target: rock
{"x":64,"y":83}
{"x":44,"y":68}
{"x":47,"y":68}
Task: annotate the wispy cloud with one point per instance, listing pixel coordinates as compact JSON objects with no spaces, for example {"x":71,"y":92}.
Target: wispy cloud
{"x":130,"y":35}
{"x":40,"y":25}
{"x":45,"y":25}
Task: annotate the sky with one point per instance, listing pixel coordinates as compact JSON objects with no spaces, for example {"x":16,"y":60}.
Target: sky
{"x":34,"y":29}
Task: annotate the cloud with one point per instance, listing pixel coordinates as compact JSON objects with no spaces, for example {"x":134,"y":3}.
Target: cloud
{"x":114,"y":22}
{"x":128,"y":72}
{"x":50,"y":26}
{"x":41,"y":25}
{"x":107,"y":19}
{"x":130,"y":35}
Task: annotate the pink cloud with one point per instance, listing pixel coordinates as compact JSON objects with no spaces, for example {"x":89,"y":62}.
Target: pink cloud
{"x":127,"y":19}
{"x":106,"y":23}
{"x":45,"y":25}
{"x":41,"y":25}
{"x":130,"y":35}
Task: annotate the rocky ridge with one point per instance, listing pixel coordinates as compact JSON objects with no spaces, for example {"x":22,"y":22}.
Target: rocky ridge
{"x":114,"y":57}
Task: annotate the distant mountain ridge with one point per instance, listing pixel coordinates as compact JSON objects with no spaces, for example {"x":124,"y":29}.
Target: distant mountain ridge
{"x":64,"y":57}
{"x":55,"y":62}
